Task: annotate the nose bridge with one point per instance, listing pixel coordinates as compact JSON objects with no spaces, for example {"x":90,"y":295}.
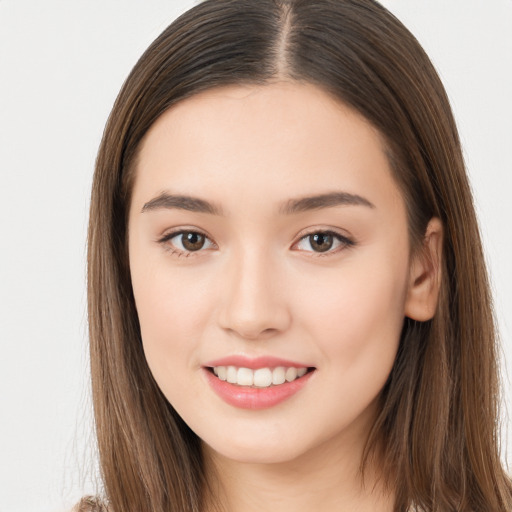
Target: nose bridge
{"x":254,"y":303}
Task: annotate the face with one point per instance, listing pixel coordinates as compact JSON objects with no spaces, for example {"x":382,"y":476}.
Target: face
{"x":269,"y":257}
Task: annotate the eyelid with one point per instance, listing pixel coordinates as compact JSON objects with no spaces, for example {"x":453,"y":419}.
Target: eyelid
{"x":169,"y":235}
{"x":345,"y":240}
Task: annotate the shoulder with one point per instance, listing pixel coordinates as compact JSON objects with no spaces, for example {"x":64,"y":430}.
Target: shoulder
{"x":90,"y":504}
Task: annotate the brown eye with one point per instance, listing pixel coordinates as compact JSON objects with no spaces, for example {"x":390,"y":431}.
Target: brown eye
{"x":327,"y":242}
{"x":186,"y":242}
{"x":321,"y":242}
{"x":192,"y":241}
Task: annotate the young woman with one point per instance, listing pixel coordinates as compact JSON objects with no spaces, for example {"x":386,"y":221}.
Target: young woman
{"x":288,"y":302}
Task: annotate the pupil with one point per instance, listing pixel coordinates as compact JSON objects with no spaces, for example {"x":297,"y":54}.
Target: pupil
{"x":193,"y":241}
{"x":321,"y":242}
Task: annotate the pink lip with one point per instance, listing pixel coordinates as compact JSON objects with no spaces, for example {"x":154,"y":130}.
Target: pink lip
{"x":255,"y":362}
{"x":249,"y":397}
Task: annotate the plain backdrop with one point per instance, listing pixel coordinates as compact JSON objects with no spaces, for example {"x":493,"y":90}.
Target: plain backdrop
{"x":61,"y":66}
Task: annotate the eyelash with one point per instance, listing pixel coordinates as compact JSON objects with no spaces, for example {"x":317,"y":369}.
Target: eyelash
{"x":178,"y":252}
{"x":343,"y":240}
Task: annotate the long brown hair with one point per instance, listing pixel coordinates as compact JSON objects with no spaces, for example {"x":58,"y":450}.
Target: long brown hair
{"x":437,"y":426}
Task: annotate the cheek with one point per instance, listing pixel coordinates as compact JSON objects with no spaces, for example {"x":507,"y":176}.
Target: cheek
{"x":357,"y":316}
{"x":172,"y":308}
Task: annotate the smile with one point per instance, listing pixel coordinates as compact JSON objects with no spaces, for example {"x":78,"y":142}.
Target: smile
{"x":259,"y":378}
{"x":258,"y":383}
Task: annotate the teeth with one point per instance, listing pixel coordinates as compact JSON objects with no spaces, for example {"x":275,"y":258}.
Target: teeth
{"x":260,"y":378}
{"x":231,"y":374}
{"x":291,"y":374}
{"x":301,"y":372}
{"x":221,"y":372}
{"x":245,"y":377}
{"x":278,"y":375}
{"x":263,"y":377}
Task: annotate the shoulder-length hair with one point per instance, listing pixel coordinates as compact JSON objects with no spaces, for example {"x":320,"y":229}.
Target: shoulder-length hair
{"x":437,"y":426}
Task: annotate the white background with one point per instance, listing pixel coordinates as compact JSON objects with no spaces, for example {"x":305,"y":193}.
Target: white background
{"x":61,"y":66}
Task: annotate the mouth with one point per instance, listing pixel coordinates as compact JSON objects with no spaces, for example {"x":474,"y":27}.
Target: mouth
{"x":261,"y":377}
{"x":259,"y":387}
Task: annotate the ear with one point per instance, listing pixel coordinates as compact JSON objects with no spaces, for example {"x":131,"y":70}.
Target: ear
{"x":425,"y":274}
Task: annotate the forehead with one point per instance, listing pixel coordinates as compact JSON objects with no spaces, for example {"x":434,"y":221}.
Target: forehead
{"x":270,"y":141}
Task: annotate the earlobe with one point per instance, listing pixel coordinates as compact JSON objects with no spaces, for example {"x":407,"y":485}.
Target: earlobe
{"x":425,"y":274}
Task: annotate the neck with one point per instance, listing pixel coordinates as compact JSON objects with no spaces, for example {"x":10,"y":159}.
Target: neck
{"x":326,"y":478}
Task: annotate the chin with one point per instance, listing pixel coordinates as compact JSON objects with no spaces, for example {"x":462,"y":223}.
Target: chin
{"x":256,"y":451}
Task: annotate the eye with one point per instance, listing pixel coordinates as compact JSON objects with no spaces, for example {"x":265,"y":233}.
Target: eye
{"x":323,"y":242}
{"x":185,"y":242}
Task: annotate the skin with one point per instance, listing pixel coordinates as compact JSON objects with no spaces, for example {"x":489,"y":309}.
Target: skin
{"x":258,"y":287}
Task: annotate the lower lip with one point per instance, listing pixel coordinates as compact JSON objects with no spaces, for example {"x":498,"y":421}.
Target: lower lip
{"x":255,"y":398}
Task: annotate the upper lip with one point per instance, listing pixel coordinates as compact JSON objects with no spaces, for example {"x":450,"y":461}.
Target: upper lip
{"x":254,"y":363}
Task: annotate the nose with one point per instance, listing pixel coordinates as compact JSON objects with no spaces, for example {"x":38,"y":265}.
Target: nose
{"x":252,"y":298}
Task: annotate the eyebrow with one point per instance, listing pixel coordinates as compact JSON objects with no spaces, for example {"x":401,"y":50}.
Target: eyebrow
{"x":302,"y":204}
{"x":320,"y":201}
{"x":181,"y":202}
